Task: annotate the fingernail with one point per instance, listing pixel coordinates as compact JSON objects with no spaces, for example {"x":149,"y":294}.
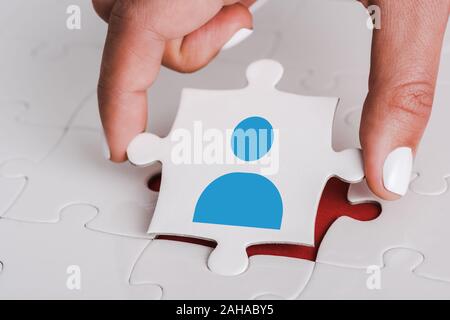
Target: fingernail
{"x":237,"y":38}
{"x":257,"y":5}
{"x":105,"y":148}
{"x":397,"y":170}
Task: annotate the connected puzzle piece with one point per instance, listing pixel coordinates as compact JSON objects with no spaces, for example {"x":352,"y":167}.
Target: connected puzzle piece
{"x":129,"y":219}
{"x":53,"y":88}
{"x":160,"y":263}
{"x":352,"y":89}
{"x":43,"y":26}
{"x":415,"y":221}
{"x":76,"y":172}
{"x":64,"y":260}
{"x":18,"y":140}
{"x":395,"y":280}
{"x":285,"y":199}
{"x":432,"y":163}
{"x":336,"y":48}
{"x":10,"y":190}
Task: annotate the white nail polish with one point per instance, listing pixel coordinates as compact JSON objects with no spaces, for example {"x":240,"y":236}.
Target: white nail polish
{"x":237,"y":38}
{"x":397,"y":170}
{"x":105,"y":148}
{"x":257,"y":5}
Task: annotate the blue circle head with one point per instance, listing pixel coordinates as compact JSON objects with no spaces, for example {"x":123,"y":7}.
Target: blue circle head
{"x":252,"y":138}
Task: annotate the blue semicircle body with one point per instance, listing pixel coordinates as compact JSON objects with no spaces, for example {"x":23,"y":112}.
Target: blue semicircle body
{"x":240,"y":199}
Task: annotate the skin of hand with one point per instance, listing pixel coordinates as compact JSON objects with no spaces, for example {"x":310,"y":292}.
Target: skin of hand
{"x":185,"y":35}
{"x":405,"y":61}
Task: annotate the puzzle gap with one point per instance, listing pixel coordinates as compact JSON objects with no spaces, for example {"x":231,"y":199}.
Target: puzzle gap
{"x":333,"y":205}
{"x":154,"y":183}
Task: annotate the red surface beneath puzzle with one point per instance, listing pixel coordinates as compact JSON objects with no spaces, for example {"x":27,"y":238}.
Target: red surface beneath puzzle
{"x":333,"y":204}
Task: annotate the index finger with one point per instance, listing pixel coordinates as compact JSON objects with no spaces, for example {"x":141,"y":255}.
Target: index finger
{"x":131,"y":60}
{"x":137,"y":34}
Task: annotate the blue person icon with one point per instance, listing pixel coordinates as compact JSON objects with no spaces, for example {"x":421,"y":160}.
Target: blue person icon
{"x":244,"y":199}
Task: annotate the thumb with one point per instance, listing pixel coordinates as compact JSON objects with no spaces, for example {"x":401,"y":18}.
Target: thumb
{"x":405,"y":63}
{"x":229,"y":26}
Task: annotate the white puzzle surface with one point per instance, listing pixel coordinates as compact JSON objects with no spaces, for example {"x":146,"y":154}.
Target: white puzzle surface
{"x":395,"y":279}
{"x":36,"y":255}
{"x":266,"y":275}
{"x":60,"y":201}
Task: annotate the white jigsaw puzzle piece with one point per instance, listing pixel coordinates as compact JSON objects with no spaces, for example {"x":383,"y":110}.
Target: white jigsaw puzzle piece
{"x":50,"y":260}
{"x":160,"y":263}
{"x":415,"y":221}
{"x":76,"y":172}
{"x":295,"y":117}
{"x":335,"y":47}
{"x":129,"y":219}
{"x":395,"y":280}
{"x":43,"y":25}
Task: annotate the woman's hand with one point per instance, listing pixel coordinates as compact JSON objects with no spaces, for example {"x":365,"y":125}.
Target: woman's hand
{"x":143,"y":34}
{"x":405,"y":61}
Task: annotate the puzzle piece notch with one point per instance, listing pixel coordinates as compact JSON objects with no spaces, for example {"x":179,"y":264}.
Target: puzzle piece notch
{"x":403,"y":259}
{"x":429,"y":183}
{"x":47,"y":245}
{"x":259,"y":98}
{"x":128,"y":219}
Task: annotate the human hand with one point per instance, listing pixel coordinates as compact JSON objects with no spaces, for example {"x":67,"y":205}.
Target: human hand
{"x":183,"y":35}
{"x":405,"y":61}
